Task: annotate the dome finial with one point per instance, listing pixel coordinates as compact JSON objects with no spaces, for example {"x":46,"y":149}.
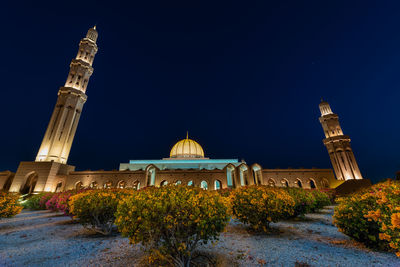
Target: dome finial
{"x":187,"y":134}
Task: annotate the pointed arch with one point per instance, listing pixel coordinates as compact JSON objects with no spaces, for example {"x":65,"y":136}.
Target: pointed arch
{"x":312,"y":183}
{"x":257,"y":173}
{"x":30,"y":183}
{"x":285,"y":182}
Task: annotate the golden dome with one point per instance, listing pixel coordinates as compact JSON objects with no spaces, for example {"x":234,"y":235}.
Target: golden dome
{"x":187,"y":148}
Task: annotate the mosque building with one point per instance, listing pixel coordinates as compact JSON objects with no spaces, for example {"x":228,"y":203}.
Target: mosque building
{"x":186,"y":164}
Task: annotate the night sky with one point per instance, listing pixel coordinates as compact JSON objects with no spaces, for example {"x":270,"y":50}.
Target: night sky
{"x":244,"y":78}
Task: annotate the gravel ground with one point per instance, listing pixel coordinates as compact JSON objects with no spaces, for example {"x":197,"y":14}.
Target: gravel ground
{"x":41,"y":238}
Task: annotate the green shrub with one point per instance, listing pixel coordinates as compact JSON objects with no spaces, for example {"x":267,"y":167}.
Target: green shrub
{"x":33,"y":202}
{"x":304,"y":200}
{"x":9,"y":205}
{"x":95,"y":209}
{"x":261,"y":205}
{"x":321,"y":199}
{"x":172,"y":220}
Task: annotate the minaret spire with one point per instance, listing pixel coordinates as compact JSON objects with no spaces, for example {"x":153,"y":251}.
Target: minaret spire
{"x":60,"y":132}
{"x":338,"y":145}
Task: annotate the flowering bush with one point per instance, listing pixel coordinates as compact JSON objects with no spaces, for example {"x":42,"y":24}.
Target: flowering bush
{"x":321,"y":199}
{"x":304,"y":201}
{"x":261,"y":205}
{"x":9,"y":206}
{"x":44,"y":197}
{"x":51,"y":203}
{"x":172,"y":220}
{"x":372,"y":216}
{"x":95,"y":208}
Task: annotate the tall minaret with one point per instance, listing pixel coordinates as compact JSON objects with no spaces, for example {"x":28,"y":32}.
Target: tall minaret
{"x":338,"y":145}
{"x":60,"y":132}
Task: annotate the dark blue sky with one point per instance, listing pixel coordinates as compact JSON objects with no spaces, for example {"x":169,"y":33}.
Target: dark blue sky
{"x":245,"y":78}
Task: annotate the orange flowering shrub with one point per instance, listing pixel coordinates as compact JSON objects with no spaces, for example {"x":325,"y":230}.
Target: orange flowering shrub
{"x":95,"y":209}
{"x":304,"y":200}
{"x":172,"y":220}
{"x":372,"y":216}
{"x":9,"y":205}
{"x":261,"y":205}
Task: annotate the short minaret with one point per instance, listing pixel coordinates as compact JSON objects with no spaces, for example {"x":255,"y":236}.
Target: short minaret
{"x":60,"y":132}
{"x":338,"y":145}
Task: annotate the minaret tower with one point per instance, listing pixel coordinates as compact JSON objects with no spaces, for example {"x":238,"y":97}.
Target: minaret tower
{"x":338,"y":145}
{"x":60,"y":132}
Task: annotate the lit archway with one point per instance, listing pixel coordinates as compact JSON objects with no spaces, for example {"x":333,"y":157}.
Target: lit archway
{"x":271,"y":182}
{"x":107,"y":185}
{"x":178,"y":182}
{"x":164,"y":183}
{"x":136,"y":185}
{"x":58,"y":187}
{"x":151,"y":176}
{"x":30,"y":183}
{"x":93,"y":185}
{"x":243,"y":174}
{"x":204,"y":185}
{"x":121,"y":184}
{"x":230,"y":170}
{"x":285,"y":183}
{"x":257,"y":175}
{"x":78,"y":185}
{"x":217,"y":185}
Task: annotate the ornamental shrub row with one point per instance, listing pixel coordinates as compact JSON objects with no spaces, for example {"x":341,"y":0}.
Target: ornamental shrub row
{"x":372,"y":216}
{"x":171,"y":221}
{"x":9,"y":205}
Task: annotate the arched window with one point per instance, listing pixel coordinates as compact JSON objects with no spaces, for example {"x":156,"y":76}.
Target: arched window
{"x":204,"y":185}
{"x":271,"y":182}
{"x":93,"y":185}
{"x":107,"y":185}
{"x":164,"y":183}
{"x":58,"y":187}
{"x":178,"y":182}
{"x":78,"y":185}
{"x":30,"y":183}
{"x":243,"y":175}
{"x":229,"y":176}
{"x":299,"y":184}
{"x":217,"y":185}
{"x":121,"y":184}
{"x":136,"y":185}
{"x":257,"y":174}
{"x":312,"y":184}
{"x":285,"y":183}
{"x":190,"y":183}
{"x":151,"y":176}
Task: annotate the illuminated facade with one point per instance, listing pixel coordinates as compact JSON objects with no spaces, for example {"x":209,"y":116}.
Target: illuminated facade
{"x":188,"y":165}
{"x":338,"y":145}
